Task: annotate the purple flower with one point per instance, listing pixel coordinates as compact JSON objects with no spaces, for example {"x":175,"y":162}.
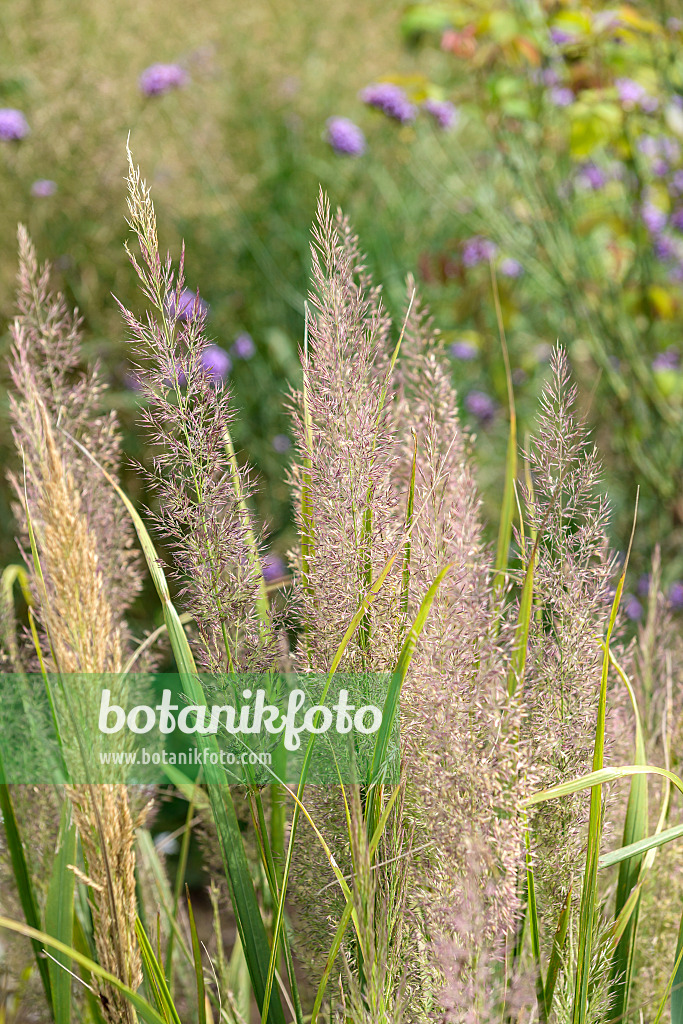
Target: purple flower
{"x":281,"y":443}
{"x":668,"y":360}
{"x":480,"y":405}
{"x":562,"y":96}
{"x":391,"y":100}
{"x":478,"y":250}
{"x":160,"y":78}
{"x":676,"y":184}
{"x":559,"y":36}
{"x":444,"y":113}
{"x":13,"y":125}
{"x":463,"y":350}
{"x":43,"y":187}
{"x":216,"y":362}
{"x":644,"y":585}
{"x":665,"y":248}
{"x":243,"y":346}
{"x":345,"y":137}
{"x":273,"y":568}
{"x":633,"y":608}
{"x":186,"y":306}
{"x":677,"y":219}
{"x":676,"y":595}
{"x":132,"y":381}
{"x":592,"y":177}
{"x":510,"y":267}
{"x":632,"y":94}
{"x":654,"y":219}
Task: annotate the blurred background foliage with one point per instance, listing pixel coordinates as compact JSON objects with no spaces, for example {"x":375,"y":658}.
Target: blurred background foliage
{"x":559,"y":164}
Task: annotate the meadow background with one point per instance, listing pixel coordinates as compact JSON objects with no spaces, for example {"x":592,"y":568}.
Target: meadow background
{"x":561,"y":163}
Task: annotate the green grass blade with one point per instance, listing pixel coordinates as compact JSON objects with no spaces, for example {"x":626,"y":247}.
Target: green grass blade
{"x":198,"y":968}
{"x":147,"y":1012}
{"x":245,"y":904}
{"x":150,"y":858}
{"x":676,"y":983}
{"x":59,"y":915}
{"x":22,"y":878}
{"x":162,"y":992}
{"x":595,"y":824}
{"x":635,"y":829}
{"x":555,"y":962}
{"x":598,"y":779}
{"x":521,"y":641}
{"x":398,"y":677}
{"x":507,"y":510}
{"x":637,"y":849}
{"x":238,"y":977}
{"x":348,"y":911}
{"x":533,"y":927}
{"x":405,"y":585}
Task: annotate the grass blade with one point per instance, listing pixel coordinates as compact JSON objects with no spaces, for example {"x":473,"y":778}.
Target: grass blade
{"x":507,"y":510}
{"x":676,"y":983}
{"x":555,"y":962}
{"x":59,"y":915}
{"x":598,"y":779}
{"x":637,"y":849}
{"x":635,"y":829}
{"x":590,"y":877}
{"x":245,"y":904}
{"x":147,"y":1012}
{"x":22,"y":878}
{"x":398,"y":677}
{"x":198,"y":968}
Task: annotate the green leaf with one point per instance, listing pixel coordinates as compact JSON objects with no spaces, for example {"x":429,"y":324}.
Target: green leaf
{"x":155,"y":972}
{"x":22,"y":878}
{"x":245,"y":904}
{"x":555,"y":962}
{"x":42,"y":939}
{"x":507,"y":511}
{"x":595,"y":825}
{"x":640,"y":847}
{"x":676,"y":982}
{"x":198,"y":968}
{"x":635,"y":829}
{"x":598,"y":779}
{"x":535,"y":931}
{"x":59,"y":915}
{"x":348,"y":911}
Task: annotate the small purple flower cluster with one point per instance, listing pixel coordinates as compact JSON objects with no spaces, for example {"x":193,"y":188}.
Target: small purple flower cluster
{"x":561,"y":96}
{"x":345,"y":137}
{"x":216,"y":363}
{"x":13,"y":125}
{"x":464,"y":350}
{"x":670,"y":359}
{"x":43,"y":187}
{"x":158,"y":79}
{"x":633,"y":95}
{"x":591,"y":177}
{"x":444,"y":113}
{"x":186,"y":305}
{"x":478,"y":250}
{"x":480,"y":405}
{"x":560,"y":37}
{"x":391,"y":100}
{"x":243,"y":346}
{"x":510,"y":267}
